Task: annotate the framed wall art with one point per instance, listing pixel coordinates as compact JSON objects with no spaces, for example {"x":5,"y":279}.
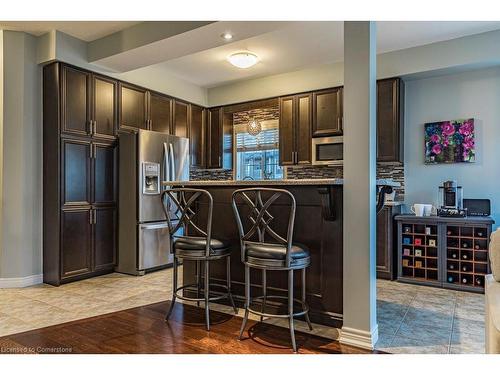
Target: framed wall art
{"x":450,"y":142}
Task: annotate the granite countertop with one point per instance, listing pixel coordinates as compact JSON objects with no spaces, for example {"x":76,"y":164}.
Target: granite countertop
{"x":309,"y":181}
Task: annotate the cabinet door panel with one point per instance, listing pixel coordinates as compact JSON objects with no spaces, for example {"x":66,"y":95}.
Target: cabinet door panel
{"x":76,"y":242}
{"x":133,"y":107}
{"x":197,"y":137}
{"x":105,"y":114}
{"x":104,"y":173}
{"x":76,"y":170}
{"x":389,"y":121}
{"x":181,"y":117}
{"x":304,"y":122}
{"x":75,"y":103}
{"x":160,"y":113}
{"x":104,"y":237}
{"x":214,"y":144}
{"x":287,"y":132}
{"x":326,"y":113}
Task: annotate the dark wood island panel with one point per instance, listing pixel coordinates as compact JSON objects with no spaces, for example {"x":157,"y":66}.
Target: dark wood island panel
{"x":318,"y":225}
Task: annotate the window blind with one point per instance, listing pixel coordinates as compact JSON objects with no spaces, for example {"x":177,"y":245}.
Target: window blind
{"x":267,"y":139}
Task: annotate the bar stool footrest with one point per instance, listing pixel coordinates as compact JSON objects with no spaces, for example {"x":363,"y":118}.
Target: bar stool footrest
{"x":267,"y":315}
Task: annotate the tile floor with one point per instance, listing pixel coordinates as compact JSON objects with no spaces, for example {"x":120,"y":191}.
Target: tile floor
{"x":418,"y":319}
{"x":412,"y":319}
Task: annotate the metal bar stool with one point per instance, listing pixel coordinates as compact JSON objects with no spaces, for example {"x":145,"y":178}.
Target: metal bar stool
{"x":179,"y":206}
{"x":279,"y":255}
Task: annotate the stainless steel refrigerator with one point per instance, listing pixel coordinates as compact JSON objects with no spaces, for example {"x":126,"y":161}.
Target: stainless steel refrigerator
{"x":146,"y":158}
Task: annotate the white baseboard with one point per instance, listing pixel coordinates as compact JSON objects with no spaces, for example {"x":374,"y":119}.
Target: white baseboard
{"x":359,"y":338}
{"x":21,"y":282}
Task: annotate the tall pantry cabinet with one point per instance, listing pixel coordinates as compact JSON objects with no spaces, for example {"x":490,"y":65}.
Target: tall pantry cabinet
{"x":80,"y":121}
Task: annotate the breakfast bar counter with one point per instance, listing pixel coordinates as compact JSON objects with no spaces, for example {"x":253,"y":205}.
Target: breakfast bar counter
{"x":318,"y":225}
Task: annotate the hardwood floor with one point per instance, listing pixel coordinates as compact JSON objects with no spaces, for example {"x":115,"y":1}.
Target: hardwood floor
{"x":143,"y":330}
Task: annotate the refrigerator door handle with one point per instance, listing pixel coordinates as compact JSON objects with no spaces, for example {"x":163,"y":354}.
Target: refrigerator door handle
{"x":172,"y":163}
{"x":166,"y":164}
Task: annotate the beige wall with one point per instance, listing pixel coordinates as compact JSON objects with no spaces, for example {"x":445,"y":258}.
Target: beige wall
{"x":21,"y":185}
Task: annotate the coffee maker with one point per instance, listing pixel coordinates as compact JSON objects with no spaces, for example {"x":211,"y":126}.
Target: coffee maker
{"x":450,"y":200}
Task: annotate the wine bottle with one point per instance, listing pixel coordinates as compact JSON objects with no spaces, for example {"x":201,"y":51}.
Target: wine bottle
{"x":478,"y":281}
{"x":465,"y":245}
{"x":480,"y":234}
{"x":451,"y":266}
{"x":465,"y":268}
{"x":451,"y":279}
{"x":454,"y":255}
{"x":448,"y":233}
{"x":476,"y":247}
{"x":465,"y":256}
{"x":464,"y":280}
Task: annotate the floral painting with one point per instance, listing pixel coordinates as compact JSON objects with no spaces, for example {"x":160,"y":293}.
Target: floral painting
{"x":449,"y":142}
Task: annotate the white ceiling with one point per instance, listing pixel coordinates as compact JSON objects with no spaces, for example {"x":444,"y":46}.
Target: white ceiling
{"x":298,"y":45}
{"x":84,"y":30}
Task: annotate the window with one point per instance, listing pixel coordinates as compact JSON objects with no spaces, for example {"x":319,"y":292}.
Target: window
{"x":257,"y":157}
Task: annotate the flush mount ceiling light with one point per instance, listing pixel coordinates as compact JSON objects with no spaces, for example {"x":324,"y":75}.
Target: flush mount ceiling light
{"x":254,"y":127}
{"x":243,"y":60}
{"x":227,"y":36}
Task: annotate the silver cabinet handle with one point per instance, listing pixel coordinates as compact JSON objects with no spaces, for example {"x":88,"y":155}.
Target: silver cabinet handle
{"x":95,"y":216}
{"x":95,"y":152}
{"x":94,"y":131}
{"x":89,"y":127}
{"x":220,"y":162}
{"x":90,"y":216}
{"x":91,"y":153}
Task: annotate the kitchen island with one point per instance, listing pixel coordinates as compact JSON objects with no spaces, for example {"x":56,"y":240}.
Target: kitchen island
{"x":318,"y":225}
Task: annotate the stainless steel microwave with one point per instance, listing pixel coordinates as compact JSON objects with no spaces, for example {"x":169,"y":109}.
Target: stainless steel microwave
{"x":328,"y":151}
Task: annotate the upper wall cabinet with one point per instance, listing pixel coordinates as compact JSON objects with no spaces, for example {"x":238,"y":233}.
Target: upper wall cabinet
{"x":295,"y":129}
{"x":160,"y":113}
{"x":133,"y":107}
{"x":197,"y":137}
{"x":327,"y":112}
{"x":390,"y":120}
{"x":214,"y":138}
{"x":180,"y":125}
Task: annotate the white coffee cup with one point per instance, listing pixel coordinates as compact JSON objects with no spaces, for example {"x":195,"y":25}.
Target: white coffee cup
{"x":429,"y":210}
{"x":418,"y":209}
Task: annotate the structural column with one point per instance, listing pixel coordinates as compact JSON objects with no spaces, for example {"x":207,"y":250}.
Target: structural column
{"x":359,"y":295}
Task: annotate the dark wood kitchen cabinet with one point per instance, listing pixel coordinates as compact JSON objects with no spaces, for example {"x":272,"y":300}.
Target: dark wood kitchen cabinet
{"x":180,"y":123}
{"x":76,"y":241}
{"x":295,"y":129}
{"x":390,"y":120}
{"x":386,"y":240}
{"x":160,"y":113}
{"x":76,"y":109}
{"x":104,"y":107}
{"x":133,"y":107}
{"x":214,"y":138}
{"x":76,"y":172}
{"x":89,"y":105}
{"x":79,"y":169}
{"x":197,"y":137}
{"x":327,"y":119}
{"x":104,"y":223}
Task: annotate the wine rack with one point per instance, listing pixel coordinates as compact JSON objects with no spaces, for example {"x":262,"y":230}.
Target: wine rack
{"x":444,"y":252}
{"x":466,"y":255}
{"x":420,"y":252}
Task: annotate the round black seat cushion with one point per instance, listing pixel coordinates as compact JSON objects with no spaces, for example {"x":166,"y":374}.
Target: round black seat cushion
{"x":195,"y":246}
{"x":275,"y":251}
